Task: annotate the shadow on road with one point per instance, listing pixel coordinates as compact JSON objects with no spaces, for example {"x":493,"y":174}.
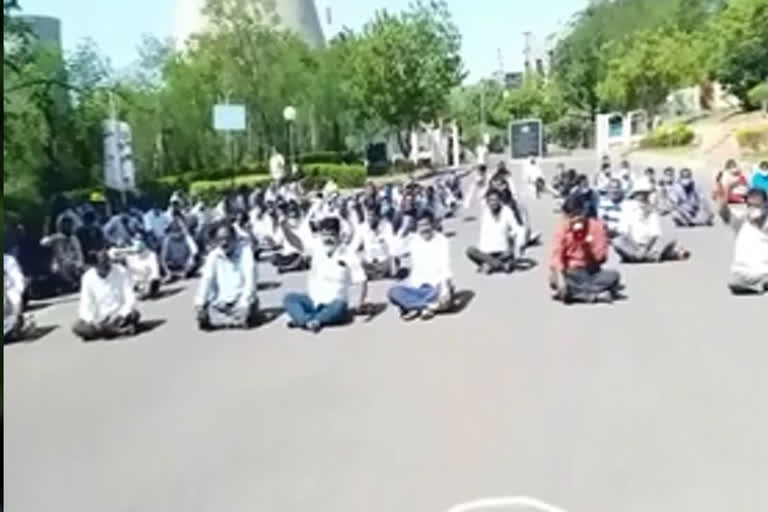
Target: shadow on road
{"x":375,"y":309}
{"x":269,"y":315}
{"x":164,"y":293}
{"x":269,"y":285}
{"x":146,"y":326}
{"x":460,"y":302}
{"x":36,"y":335}
{"x":525,"y":264}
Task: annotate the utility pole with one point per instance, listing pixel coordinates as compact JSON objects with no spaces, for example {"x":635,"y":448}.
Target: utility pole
{"x":527,"y":52}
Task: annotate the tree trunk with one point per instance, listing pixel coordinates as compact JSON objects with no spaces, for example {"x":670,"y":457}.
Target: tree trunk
{"x":405,"y":144}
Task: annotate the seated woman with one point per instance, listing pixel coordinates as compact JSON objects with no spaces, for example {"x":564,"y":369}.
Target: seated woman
{"x":580,"y":249}
{"x":640,"y":238}
{"x":107,"y":301}
{"x":502,"y":237}
{"x":688,"y":207}
{"x":226,"y":295}
{"x":429,"y":288}
{"x":335,"y":267}
{"x":178,"y":253}
{"x":16,"y":325}
{"x":731,"y":183}
{"x":749,"y":270}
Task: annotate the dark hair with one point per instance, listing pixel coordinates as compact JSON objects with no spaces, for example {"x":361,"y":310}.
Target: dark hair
{"x":758,"y":192}
{"x":493,"y":192}
{"x":731,"y":164}
{"x":482,"y":168}
{"x":573,"y":205}
{"x":331,"y":224}
{"x":763,"y":164}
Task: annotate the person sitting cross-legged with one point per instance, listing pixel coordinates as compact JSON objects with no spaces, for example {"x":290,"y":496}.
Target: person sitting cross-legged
{"x":16,"y":325}
{"x":610,"y":207}
{"x":688,"y":205}
{"x":178,"y":252}
{"x":749,"y":270}
{"x":107,"y":301}
{"x":580,"y":249}
{"x":502,"y":237}
{"x":334,"y":268}
{"x":226,"y":295}
{"x":641,"y":238}
{"x":759,"y":178}
{"x":429,"y":288}
{"x":376,"y":238}
{"x":68,"y":262}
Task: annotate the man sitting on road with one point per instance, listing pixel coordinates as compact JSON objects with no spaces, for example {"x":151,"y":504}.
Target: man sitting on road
{"x":603,"y":177}
{"x":178,"y":252}
{"x":611,"y":206}
{"x":429,"y":288}
{"x":377,"y":241}
{"x":641,"y":239}
{"x":580,"y":248}
{"x":589,"y":198}
{"x":226,"y":295}
{"x":335,"y":267}
{"x":107,"y":301}
{"x":68,"y":262}
{"x":689,"y":207}
{"x":502,"y":237}
{"x":16,"y":325}
{"x":749,"y":270}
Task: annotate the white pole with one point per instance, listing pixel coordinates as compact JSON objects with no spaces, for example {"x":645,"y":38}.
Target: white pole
{"x":455,"y":134}
{"x":116,"y":127}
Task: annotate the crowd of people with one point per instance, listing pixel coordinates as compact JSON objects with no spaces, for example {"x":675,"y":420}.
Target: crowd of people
{"x":342,"y":241}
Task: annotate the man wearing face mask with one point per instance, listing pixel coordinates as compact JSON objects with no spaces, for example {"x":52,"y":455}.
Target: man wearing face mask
{"x":760,"y":178}
{"x":580,"y":249}
{"x":226,"y":295}
{"x":502,"y":237}
{"x":334,"y":269}
{"x":641,"y":239}
{"x":749,"y":270}
{"x":688,"y":206}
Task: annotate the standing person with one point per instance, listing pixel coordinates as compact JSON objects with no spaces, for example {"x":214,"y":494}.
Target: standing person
{"x":534,"y":177}
{"x":333,"y":271}
{"x":107,"y":301}
{"x":579,"y":250}
{"x":16,"y":325}
{"x":481,"y":151}
{"x":277,"y":166}
{"x":178,"y":253}
{"x":68,"y":263}
{"x":429,"y":288}
{"x":749,"y":270}
{"x":226,"y":295}
{"x":641,"y":239}
{"x":502,"y":237}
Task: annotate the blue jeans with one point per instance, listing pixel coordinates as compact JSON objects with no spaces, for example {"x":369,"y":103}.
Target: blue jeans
{"x":302,"y":310}
{"x":410,"y":299}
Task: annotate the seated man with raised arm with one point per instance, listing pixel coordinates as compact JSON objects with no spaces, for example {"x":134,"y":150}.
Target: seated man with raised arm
{"x":749,"y":270}
{"x":334,"y":269}
{"x":502,"y":237}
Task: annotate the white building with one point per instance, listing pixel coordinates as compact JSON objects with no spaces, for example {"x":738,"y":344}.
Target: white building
{"x":301,"y":16}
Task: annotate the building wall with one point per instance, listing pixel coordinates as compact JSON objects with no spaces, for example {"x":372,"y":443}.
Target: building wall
{"x":46,"y":28}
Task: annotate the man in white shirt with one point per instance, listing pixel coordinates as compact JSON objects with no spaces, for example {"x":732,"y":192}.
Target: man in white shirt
{"x":156,"y":222}
{"x":226,"y":295}
{"x":277,"y":166}
{"x":107,"y":302}
{"x":534,"y":177}
{"x":429,"y":288}
{"x":502,"y":238}
{"x":15,"y":324}
{"x":116,"y":230}
{"x":640,"y":237}
{"x":749,"y":270}
{"x":334,"y":269}
{"x":376,"y":239}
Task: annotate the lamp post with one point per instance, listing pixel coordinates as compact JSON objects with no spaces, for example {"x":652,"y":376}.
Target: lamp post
{"x":289,"y":114}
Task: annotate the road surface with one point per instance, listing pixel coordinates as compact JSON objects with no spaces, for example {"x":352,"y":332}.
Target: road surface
{"x":653,"y":404}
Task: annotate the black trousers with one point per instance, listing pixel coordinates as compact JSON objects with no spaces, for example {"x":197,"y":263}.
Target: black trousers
{"x":584,"y":284}
{"x":91,"y":332}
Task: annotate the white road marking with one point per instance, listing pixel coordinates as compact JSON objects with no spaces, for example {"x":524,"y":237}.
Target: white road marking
{"x":505,"y":502}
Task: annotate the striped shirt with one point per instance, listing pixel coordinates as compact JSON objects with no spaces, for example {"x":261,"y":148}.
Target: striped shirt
{"x":610,"y":213}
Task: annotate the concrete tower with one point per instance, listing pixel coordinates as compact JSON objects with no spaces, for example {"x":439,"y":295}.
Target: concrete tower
{"x":299,"y":16}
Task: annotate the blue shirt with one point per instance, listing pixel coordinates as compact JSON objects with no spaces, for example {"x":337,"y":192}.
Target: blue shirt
{"x":760,"y":180}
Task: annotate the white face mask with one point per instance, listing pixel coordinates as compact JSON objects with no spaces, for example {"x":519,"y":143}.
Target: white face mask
{"x":755,"y":214}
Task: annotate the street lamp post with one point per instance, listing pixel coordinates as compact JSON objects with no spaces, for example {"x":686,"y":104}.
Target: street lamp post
{"x":289,"y":114}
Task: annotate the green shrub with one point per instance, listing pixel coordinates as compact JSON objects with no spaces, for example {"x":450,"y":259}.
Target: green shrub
{"x":328,"y":157}
{"x":212,"y":190}
{"x":753,"y":138}
{"x":758,"y":94}
{"x":345,"y":176}
{"x":567,"y":132}
{"x":669,"y":135}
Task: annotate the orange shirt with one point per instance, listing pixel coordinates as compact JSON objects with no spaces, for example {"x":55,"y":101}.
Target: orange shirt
{"x":573,"y":253}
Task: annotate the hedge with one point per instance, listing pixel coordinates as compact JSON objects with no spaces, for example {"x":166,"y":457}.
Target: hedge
{"x":345,"y":176}
{"x":753,"y":138}
{"x":669,"y":135}
{"x":328,"y":157}
{"x":212,"y":190}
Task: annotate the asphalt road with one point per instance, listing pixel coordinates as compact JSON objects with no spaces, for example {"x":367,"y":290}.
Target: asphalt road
{"x":653,"y":404}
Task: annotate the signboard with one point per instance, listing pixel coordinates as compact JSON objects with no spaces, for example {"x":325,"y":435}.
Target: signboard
{"x":229,"y":118}
{"x":119,"y":172}
{"x":526,"y":138}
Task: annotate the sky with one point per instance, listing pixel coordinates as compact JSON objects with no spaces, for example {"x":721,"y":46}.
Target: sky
{"x":486,"y":26}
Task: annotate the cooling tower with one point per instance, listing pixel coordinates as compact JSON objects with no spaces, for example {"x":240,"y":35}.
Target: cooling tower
{"x":299,"y":16}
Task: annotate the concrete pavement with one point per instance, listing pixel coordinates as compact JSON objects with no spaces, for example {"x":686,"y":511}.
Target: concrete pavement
{"x":654,"y":404}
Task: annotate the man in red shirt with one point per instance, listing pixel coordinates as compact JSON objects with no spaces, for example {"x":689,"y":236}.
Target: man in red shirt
{"x":579,"y":250}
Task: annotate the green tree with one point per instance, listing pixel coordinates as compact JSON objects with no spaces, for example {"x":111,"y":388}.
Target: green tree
{"x":405,"y":66}
{"x":741,"y":31}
